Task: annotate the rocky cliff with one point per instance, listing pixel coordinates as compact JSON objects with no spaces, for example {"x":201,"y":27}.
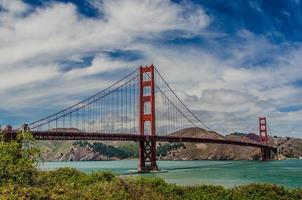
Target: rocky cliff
{"x":86,"y":150}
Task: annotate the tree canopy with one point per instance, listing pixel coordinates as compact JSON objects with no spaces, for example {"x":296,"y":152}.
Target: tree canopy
{"x":20,"y":179}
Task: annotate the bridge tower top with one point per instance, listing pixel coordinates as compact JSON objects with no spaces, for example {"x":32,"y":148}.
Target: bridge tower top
{"x":147,"y":101}
{"x":263,"y":130}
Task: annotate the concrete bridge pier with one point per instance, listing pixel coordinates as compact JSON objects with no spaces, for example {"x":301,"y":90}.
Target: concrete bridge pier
{"x":265,"y":154}
{"x":268,"y":153}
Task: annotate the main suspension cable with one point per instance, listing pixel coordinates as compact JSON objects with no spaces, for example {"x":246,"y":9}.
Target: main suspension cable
{"x":183,"y":103}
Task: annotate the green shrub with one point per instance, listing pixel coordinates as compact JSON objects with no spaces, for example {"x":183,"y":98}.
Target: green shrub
{"x":207,"y":192}
{"x":18,"y":160}
{"x":261,"y":192}
{"x":21,"y":180}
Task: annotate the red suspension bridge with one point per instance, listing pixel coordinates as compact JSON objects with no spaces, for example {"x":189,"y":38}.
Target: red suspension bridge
{"x":140,"y":107}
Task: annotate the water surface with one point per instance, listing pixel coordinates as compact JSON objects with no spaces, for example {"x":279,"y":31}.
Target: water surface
{"x":227,"y":173}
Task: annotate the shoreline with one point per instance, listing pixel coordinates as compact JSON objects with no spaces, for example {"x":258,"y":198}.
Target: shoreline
{"x":165,"y":160}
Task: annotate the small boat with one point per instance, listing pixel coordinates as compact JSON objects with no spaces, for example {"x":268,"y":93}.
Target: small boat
{"x":300,"y":157}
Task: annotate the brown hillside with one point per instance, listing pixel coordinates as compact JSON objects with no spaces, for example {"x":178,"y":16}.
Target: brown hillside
{"x":198,"y":151}
{"x":197,"y":132}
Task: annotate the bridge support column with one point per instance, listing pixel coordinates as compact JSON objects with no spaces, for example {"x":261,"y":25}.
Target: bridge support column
{"x":147,"y":147}
{"x":265,"y":154}
{"x":147,"y":155}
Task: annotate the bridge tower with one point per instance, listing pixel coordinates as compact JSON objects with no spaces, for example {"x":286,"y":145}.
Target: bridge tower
{"x":263,"y":130}
{"x":147,"y":146}
{"x":265,"y":152}
{"x":9,"y":134}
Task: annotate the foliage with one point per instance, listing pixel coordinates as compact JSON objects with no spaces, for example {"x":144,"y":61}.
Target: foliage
{"x":21,"y":180}
{"x":238,"y":134}
{"x":18,"y":159}
{"x":265,"y":192}
{"x":163,"y":150}
{"x":70,"y":184}
{"x":109,"y":150}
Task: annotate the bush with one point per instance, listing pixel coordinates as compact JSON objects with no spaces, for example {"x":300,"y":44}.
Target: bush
{"x":20,"y":179}
{"x":18,"y":160}
{"x":207,"y":192}
{"x":264,"y":192}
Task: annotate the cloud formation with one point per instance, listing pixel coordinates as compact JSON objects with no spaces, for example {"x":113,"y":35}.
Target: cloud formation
{"x":34,"y":43}
{"x":52,"y":56}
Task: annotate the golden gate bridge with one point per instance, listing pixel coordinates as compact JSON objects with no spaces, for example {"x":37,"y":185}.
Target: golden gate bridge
{"x":140,"y":107}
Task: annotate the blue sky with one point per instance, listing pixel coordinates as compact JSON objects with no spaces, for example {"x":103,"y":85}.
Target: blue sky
{"x":230,"y":61}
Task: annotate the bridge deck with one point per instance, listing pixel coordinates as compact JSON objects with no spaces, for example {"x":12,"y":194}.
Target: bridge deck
{"x":49,"y":135}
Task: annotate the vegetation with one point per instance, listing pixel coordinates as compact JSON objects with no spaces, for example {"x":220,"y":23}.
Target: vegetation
{"x":18,"y":160}
{"x":20,"y":179}
{"x":238,"y":134}
{"x":163,"y":150}
{"x":111,"y":151}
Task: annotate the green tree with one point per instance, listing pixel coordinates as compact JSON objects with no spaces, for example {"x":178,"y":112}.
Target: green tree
{"x":18,"y":159}
{"x":21,"y":180}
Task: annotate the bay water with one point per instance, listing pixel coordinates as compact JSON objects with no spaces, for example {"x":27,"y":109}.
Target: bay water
{"x":227,"y":173}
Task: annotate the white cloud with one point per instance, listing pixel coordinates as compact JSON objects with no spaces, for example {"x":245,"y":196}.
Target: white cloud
{"x":234,"y":95}
{"x":100,"y":64}
{"x":13,"y":7}
{"x":57,"y":32}
{"x":226,"y":97}
{"x":14,"y":78}
{"x":227,"y":93}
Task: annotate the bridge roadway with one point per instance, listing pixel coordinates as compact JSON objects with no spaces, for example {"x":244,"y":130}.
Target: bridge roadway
{"x":57,"y":135}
